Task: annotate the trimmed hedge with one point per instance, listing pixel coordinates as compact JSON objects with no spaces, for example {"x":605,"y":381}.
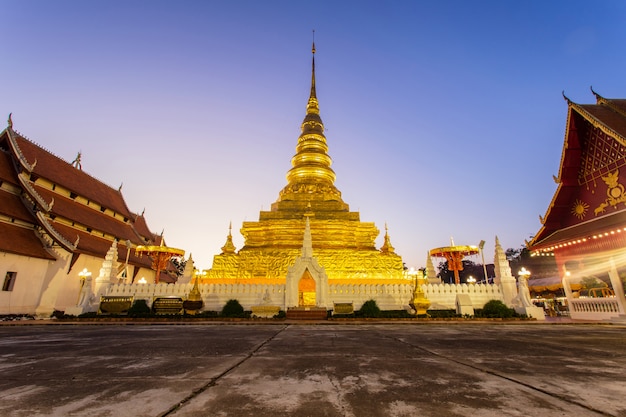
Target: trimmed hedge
{"x":233,"y":308}
{"x":369,"y":309}
{"x":496,"y":309}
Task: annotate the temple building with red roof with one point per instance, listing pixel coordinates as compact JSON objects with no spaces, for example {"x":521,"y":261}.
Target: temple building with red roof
{"x":56,"y":223}
{"x":585,"y":223}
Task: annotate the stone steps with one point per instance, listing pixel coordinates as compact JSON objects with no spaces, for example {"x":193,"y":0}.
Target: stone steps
{"x":303,"y":313}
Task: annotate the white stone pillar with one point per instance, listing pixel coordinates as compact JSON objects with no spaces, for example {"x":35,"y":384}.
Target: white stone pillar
{"x":618,"y":287}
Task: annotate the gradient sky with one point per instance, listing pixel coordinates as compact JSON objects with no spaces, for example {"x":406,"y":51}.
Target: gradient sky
{"x":443,"y":118}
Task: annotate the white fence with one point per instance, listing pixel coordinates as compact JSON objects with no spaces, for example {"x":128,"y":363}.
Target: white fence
{"x":388,"y":297}
{"x":601,"y":308}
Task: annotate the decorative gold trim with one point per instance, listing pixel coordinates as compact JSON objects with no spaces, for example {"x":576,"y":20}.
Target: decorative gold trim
{"x":614,"y":190}
{"x":579,"y":209}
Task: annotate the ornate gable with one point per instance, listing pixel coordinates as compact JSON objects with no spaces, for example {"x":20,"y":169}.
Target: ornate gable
{"x":592,"y":174}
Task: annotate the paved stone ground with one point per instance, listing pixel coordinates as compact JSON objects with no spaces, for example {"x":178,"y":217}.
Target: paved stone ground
{"x":313,"y":370}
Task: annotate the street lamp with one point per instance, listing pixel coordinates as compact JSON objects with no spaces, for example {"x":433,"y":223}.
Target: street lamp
{"x":524,"y":273}
{"x":471,"y":280}
{"x":481,"y":245}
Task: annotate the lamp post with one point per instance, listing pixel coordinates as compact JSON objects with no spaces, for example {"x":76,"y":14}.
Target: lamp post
{"x":471,"y":280}
{"x":524,"y":273}
{"x":481,"y":245}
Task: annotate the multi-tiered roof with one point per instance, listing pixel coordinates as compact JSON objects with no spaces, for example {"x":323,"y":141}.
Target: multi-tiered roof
{"x":588,"y":210}
{"x":47,"y":203}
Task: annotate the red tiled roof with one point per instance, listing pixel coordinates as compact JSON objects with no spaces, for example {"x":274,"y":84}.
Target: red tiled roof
{"x":97,"y":246}
{"x":7,"y":172}
{"x":23,"y":242}
{"x":90,"y":217}
{"x":142,"y":227}
{"x":60,"y":172}
{"x":45,"y":165}
{"x":618,"y":103}
{"x":607,"y":116}
{"x":12,"y":206}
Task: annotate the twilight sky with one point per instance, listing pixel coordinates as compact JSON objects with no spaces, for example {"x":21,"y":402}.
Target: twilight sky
{"x":444,"y":118}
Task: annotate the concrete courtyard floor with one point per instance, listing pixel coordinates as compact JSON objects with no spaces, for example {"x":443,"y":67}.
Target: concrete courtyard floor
{"x":313,"y":369}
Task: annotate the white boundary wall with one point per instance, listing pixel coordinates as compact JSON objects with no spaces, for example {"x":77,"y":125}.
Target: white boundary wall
{"x":388,"y":297}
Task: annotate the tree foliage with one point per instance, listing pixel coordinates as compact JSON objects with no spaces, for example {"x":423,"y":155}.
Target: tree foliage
{"x":592,"y":282}
{"x":469,"y":269}
{"x":179,"y":263}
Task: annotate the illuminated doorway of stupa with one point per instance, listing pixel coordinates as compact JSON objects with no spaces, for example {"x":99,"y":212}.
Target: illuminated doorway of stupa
{"x":306,"y":290}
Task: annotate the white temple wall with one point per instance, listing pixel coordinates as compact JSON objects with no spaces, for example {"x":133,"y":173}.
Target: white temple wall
{"x":29,"y":282}
{"x":443,"y":296}
{"x":42,"y":286}
{"x":70,"y":283}
{"x":388,"y":297}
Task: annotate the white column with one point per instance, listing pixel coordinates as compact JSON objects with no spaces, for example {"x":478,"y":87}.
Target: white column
{"x":616,"y":283}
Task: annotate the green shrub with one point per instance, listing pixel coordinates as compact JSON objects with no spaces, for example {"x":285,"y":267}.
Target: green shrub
{"x":497,"y":309}
{"x":369,"y":309}
{"x":232,"y":308}
{"x":139,"y":309}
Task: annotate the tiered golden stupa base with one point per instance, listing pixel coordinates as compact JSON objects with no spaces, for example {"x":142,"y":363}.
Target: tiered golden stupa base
{"x":343,"y":266}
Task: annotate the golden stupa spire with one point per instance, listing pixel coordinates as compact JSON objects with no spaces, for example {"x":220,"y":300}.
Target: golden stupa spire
{"x":229,"y":247}
{"x":387,"y":248}
{"x":313,"y":93}
{"x":311,"y":177}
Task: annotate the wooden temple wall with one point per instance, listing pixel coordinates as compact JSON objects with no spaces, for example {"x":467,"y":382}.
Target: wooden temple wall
{"x":388,"y":297}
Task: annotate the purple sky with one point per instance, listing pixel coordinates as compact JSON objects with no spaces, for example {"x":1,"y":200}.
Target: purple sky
{"x":443,"y":118}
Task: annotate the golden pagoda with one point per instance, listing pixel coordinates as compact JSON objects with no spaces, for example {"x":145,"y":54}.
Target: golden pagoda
{"x":343,"y":245}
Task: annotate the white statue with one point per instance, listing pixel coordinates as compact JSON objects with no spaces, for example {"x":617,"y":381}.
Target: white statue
{"x":86,"y":296}
{"x":523,"y":293}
